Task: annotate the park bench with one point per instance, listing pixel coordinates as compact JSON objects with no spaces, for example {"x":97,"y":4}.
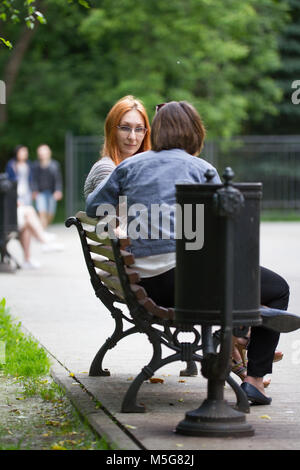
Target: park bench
{"x":115,"y":281}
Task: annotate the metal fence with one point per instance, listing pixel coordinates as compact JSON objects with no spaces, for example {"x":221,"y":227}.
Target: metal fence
{"x":81,"y":153}
{"x":272,"y":160}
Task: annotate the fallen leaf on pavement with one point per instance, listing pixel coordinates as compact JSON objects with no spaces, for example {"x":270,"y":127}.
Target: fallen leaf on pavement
{"x":265,"y":417}
{"x":156,"y":380}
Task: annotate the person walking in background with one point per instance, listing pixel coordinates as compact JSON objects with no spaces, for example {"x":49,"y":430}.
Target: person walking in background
{"x":46,"y":184}
{"x":19,"y":169}
{"x":127,"y":132}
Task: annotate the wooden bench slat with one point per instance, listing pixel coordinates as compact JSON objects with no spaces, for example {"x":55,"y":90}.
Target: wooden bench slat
{"x":124,"y":242}
{"x":106,"y":265}
{"x":161,"y":312}
{"x":117,"y":293}
{"x":128,"y":258}
{"x":107,"y":251}
{"x":110,"y":267}
{"x":93,"y":236}
{"x":133,"y":276}
{"x":112,"y":283}
{"x":84,"y":219}
{"x":139,"y":291}
{"x":103,"y":250}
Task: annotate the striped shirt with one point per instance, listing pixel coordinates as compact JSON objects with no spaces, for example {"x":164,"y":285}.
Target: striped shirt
{"x":98,"y":172}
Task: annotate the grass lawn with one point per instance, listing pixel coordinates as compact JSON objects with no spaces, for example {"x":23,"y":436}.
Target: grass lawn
{"x":275,"y":215}
{"x":35,"y":413}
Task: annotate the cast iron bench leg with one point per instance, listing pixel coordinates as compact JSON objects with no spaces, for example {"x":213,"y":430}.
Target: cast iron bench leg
{"x":242,"y":403}
{"x":129,"y":404}
{"x":96,"y":369}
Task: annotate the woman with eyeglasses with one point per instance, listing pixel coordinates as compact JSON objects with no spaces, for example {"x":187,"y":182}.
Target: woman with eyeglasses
{"x":127,"y":132}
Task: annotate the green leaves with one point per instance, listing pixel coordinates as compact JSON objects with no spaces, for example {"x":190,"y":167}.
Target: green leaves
{"x":84,"y":3}
{"x":29,"y":14}
{"x":6,"y":43}
{"x":215,"y":54}
{"x":218,"y":55}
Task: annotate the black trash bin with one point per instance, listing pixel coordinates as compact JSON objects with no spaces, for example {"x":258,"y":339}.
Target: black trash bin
{"x":199,"y":272}
{"x":218,"y":283}
{"x":8,"y":220}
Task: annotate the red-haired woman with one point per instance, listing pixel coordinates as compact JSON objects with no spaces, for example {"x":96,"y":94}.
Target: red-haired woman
{"x":127,"y":132}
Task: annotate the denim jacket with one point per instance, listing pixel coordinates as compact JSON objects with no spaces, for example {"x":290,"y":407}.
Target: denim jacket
{"x":11,"y":170}
{"x":148,"y":181}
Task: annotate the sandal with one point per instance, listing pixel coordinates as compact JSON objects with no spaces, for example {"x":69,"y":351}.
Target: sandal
{"x":239,"y":369}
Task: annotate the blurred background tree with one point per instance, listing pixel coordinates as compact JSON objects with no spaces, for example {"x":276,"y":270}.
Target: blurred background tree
{"x":221,"y":56}
{"x":286,"y":119}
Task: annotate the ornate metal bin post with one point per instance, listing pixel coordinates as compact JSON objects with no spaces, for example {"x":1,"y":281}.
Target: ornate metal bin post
{"x":218,"y":285}
{"x":8,"y":219}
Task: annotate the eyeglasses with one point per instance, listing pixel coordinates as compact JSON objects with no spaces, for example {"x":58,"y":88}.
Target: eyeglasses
{"x":159,"y":106}
{"x":140,"y":131}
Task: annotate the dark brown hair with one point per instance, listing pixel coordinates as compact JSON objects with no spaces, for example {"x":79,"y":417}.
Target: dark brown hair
{"x":177,"y":125}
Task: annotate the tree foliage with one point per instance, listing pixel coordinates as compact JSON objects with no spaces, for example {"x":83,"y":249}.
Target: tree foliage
{"x":14,"y":10}
{"x":218,"y":55}
{"x":286,"y":120}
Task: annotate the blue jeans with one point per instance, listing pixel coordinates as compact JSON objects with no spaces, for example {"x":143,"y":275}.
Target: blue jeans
{"x":45,"y":202}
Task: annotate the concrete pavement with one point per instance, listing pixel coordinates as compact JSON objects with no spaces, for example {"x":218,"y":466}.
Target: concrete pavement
{"x":57,"y":305}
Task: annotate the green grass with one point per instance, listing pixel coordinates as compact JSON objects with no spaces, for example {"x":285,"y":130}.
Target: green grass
{"x":23,"y":355}
{"x":26,"y":364}
{"x":280,"y":215}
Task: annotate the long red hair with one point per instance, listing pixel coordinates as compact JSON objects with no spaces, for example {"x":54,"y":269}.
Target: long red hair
{"x":110,"y":147}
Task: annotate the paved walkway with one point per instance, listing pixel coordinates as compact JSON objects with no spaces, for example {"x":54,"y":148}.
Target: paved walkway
{"x":57,"y":305}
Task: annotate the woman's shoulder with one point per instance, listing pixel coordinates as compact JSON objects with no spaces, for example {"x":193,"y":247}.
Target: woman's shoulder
{"x":98,"y":172}
{"x":103,"y":162}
